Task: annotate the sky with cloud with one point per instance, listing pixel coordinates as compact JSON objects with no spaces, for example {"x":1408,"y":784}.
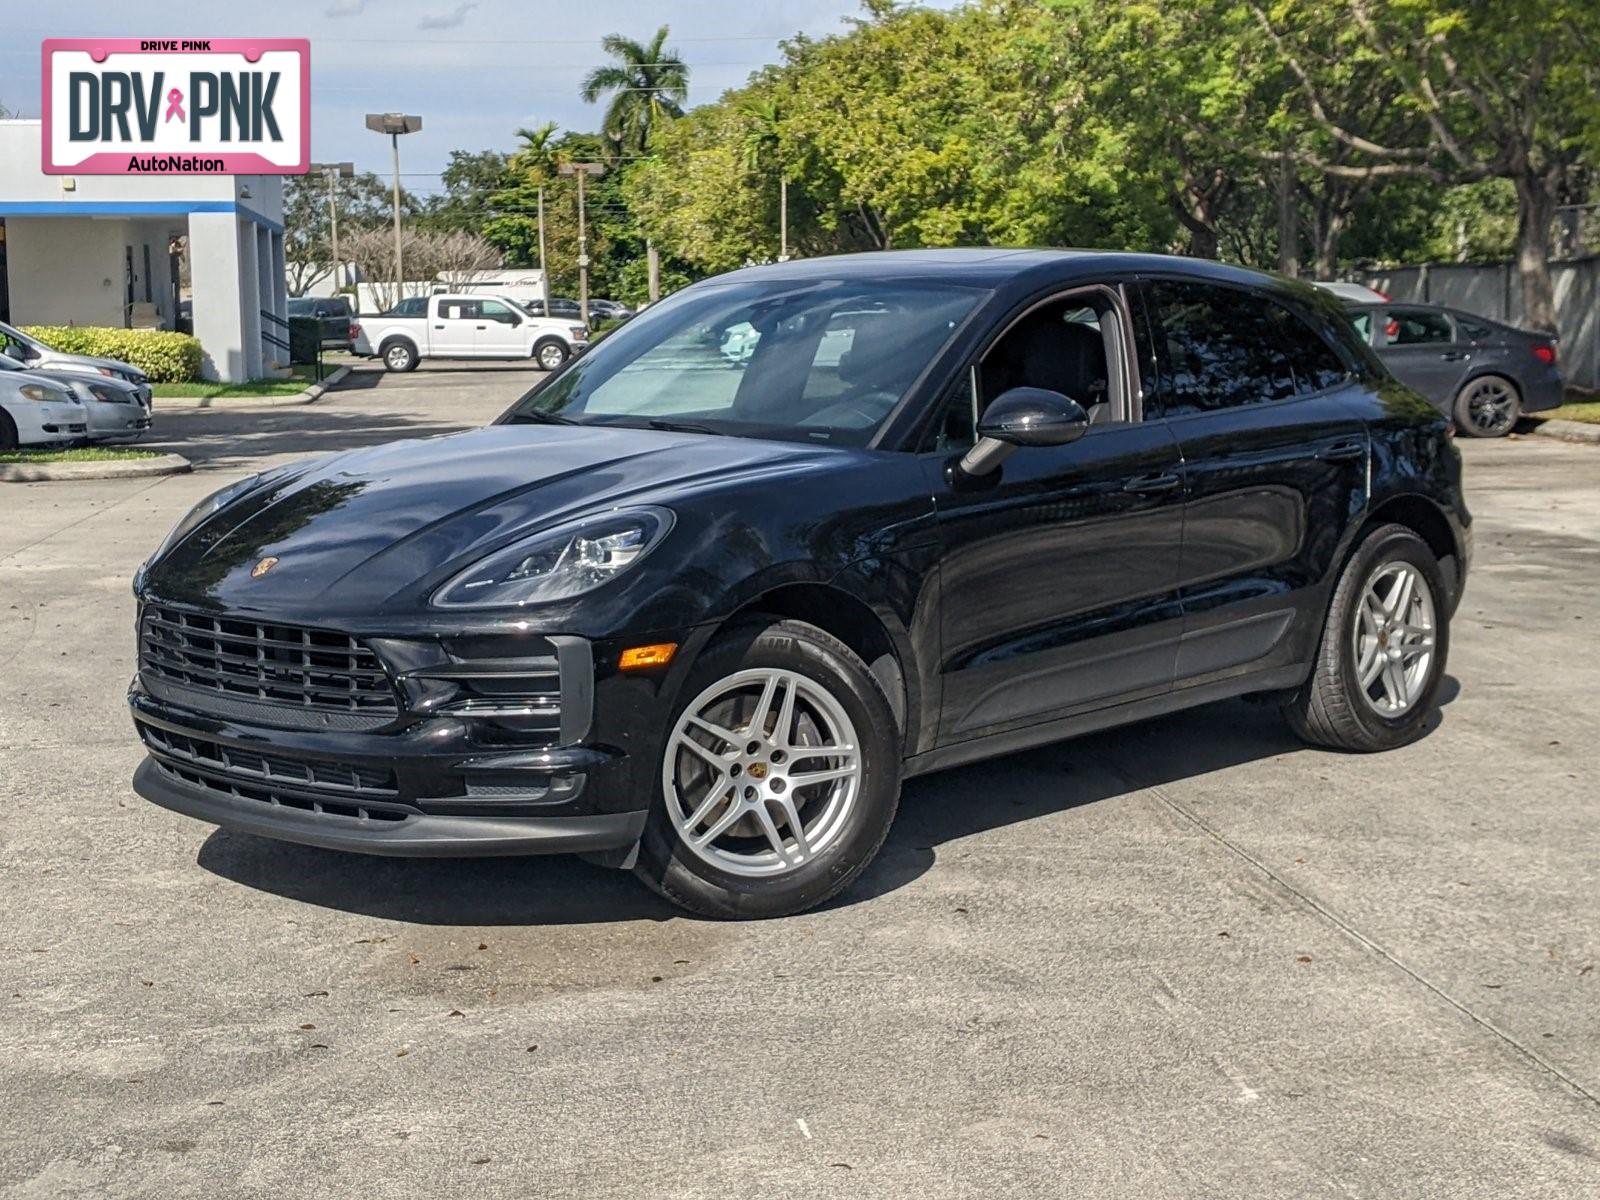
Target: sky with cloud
{"x":475,"y":70}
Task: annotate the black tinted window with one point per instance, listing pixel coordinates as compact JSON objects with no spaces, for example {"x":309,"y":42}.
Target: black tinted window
{"x":1312,"y":362}
{"x":1474,"y":332}
{"x":1417,"y":327}
{"x":1217,"y":348}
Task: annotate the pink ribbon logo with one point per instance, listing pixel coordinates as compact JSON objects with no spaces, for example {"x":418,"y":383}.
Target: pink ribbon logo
{"x":175,"y":105}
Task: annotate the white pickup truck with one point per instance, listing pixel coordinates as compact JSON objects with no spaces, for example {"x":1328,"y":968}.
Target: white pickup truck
{"x":467,"y":326}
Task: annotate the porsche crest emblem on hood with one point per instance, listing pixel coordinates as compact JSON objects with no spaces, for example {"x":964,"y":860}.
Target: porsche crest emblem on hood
{"x":262,"y":567}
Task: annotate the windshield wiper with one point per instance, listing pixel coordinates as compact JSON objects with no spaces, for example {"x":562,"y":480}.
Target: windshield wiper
{"x":681,"y":427}
{"x":542,"y":418}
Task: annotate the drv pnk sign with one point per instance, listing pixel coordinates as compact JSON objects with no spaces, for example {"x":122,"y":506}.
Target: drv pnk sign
{"x":168,"y":106}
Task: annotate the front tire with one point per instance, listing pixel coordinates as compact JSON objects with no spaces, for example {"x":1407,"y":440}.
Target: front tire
{"x":550,"y":353}
{"x":779,"y":776}
{"x":1488,"y":406}
{"x":400,"y":357}
{"x":1383,"y":650}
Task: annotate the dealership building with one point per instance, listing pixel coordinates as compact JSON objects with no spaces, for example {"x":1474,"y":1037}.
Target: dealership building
{"x":108,"y":250}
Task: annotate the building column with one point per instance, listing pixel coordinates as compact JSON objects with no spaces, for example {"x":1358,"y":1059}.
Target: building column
{"x":216,"y":270}
{"x":250,"y":295}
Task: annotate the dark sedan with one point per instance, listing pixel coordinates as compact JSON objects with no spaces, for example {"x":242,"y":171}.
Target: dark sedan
{"x":1481,"y":373}
{"x":700,"y":618}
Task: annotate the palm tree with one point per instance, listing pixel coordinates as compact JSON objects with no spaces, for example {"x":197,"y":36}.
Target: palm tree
{"x":648,"y":83}
{"x":537,"y":154}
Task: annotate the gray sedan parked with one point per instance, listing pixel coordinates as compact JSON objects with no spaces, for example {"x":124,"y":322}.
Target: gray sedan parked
{"x":116,"y":410}
{"x":1482,"y":373}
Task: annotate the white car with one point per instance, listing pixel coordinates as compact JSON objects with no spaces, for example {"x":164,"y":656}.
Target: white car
{"x":452,"y":325}
{"x":37,"y":412}
{"x":1354,"y":293}
{"x":36,"y":356}
{"x":116,"y":409}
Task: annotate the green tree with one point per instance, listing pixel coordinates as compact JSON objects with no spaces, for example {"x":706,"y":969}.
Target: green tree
{"x":648,"y":83}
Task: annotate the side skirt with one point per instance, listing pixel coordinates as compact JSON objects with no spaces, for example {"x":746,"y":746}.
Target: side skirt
{"x":1013,"y":740}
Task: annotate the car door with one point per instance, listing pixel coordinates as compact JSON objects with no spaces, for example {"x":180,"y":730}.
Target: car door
{"x":453,"y":328}
{"x":499,"y":332}
{"x":1421,"y":348}
{"x":1275,"y":462}
{"x":1058,"y":571}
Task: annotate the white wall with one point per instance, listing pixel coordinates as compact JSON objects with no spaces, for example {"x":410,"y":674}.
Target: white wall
{"x":66,"y":270}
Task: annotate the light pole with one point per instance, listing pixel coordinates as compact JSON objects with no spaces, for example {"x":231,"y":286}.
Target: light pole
{"x":582,"y":170}
{"x":394,"y":124}
{"x":333,"y":172}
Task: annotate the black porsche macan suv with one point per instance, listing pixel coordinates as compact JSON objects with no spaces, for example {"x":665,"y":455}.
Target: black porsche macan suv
{"x":703,"y":599}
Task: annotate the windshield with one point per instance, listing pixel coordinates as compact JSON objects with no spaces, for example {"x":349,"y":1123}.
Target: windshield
{"x":812,"y":360}
{"x":15,"y":337}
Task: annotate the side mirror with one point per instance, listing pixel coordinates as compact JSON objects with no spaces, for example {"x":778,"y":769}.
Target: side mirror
{"x":1023,"y":416}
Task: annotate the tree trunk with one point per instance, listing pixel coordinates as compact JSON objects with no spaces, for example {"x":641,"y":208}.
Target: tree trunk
{"x":1288,"y":218}
{"x":1535,"y":208}
{"x":1202,"y":235}
{"x":1327,"y":246}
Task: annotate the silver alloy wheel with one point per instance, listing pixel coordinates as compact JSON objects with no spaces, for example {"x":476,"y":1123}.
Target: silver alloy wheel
{"x":761,"y":772}
{"x":1394,"y":638}
{"x":551,"y":356}
{"x":1491,"y":407}
{"x":397,"y":357}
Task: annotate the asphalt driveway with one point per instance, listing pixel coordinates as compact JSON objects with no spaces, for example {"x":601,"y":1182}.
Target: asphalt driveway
{"x":1189,"y":958}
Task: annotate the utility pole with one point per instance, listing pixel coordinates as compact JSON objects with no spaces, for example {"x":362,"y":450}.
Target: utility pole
{"x":395,"y":124}
{"x":544,"y":264}
{"x":652,"y":261}
{"x":1288,"y":223}
{"x":783,"y":219}
{"x":582,"y":170}
{"x":333,"y":172}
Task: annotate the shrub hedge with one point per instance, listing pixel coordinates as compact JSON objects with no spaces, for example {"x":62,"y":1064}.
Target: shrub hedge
{"x":164,"y":356}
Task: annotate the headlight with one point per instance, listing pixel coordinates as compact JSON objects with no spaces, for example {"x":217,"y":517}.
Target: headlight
{"x":580,"y":333}
{"x":558,"y":563}
{"x":108,"y":371}
{"x":43,"y":394}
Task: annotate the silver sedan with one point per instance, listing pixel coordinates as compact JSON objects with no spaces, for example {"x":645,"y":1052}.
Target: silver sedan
{"x":116,"y":410}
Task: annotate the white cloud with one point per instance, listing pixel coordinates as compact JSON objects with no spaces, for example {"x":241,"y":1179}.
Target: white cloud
{"x":450,"y":20}
{"x":346,"y":8}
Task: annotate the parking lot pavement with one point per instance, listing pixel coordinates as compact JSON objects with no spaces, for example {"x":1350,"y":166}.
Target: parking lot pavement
{"x":1191,"y":958}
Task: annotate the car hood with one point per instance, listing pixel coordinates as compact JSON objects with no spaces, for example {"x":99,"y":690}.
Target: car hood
{"x":378,"y":530}
{"x":56,"y":360}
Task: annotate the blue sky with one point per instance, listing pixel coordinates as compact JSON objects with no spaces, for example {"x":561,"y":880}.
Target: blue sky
{"x":474,"y":69}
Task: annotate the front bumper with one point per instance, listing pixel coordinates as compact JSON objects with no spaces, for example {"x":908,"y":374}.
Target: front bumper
{"x":47,"y":423}
{"x":442,"y":776}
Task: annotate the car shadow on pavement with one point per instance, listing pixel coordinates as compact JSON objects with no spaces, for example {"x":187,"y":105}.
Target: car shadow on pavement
{"x":935,"y":810}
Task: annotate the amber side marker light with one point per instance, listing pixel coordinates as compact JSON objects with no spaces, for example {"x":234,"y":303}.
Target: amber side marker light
{"x":638,"y":657}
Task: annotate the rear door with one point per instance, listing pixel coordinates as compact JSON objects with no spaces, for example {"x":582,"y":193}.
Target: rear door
{"x":453,"y":328}
{"x":1420,"y":346}
{"x":1275,"y":464}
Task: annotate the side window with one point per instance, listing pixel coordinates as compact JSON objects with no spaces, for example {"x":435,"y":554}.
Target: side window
{"x":1361,"y":322}
{"x":495,"y":311}
{"x":1312,"y":362}
{"x":459,"y":310}
{"x":1217,"y":348}
{"x":1418,"y":327}
{"x":1473,"y":332}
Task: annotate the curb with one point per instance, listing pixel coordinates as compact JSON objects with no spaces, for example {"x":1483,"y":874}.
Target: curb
{"x":1568,"y":431}
{"x":245,"y":403}
{"x":132,"y":468}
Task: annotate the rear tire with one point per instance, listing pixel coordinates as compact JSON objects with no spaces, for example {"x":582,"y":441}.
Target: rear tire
{"x":550,"y":353}
{"x":8,"y":433}
{"x":1488,"y":406}
{"x":400,"y":357}
{"x":734,"y":831}
{"x":1383,"y":650}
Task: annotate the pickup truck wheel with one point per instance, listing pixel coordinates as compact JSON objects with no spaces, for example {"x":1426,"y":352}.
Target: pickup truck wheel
{"x":8,"y":433}
{"x":780,"y":775}
{"x":400,"y":356}
{"x":550,"y":353}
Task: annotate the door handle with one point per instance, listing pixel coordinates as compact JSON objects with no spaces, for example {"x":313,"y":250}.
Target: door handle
{"x":438,"y":326}
{"x":1454,"y":355}
{"x":1343,"y":452}
{"x":1152,"y":485}
{"x":481,"y":328}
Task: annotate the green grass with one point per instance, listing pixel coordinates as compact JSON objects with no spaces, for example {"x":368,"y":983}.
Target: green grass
{"x":300,"y":378}
{"x":81,"y":454}
{"x":1587,"y":411}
